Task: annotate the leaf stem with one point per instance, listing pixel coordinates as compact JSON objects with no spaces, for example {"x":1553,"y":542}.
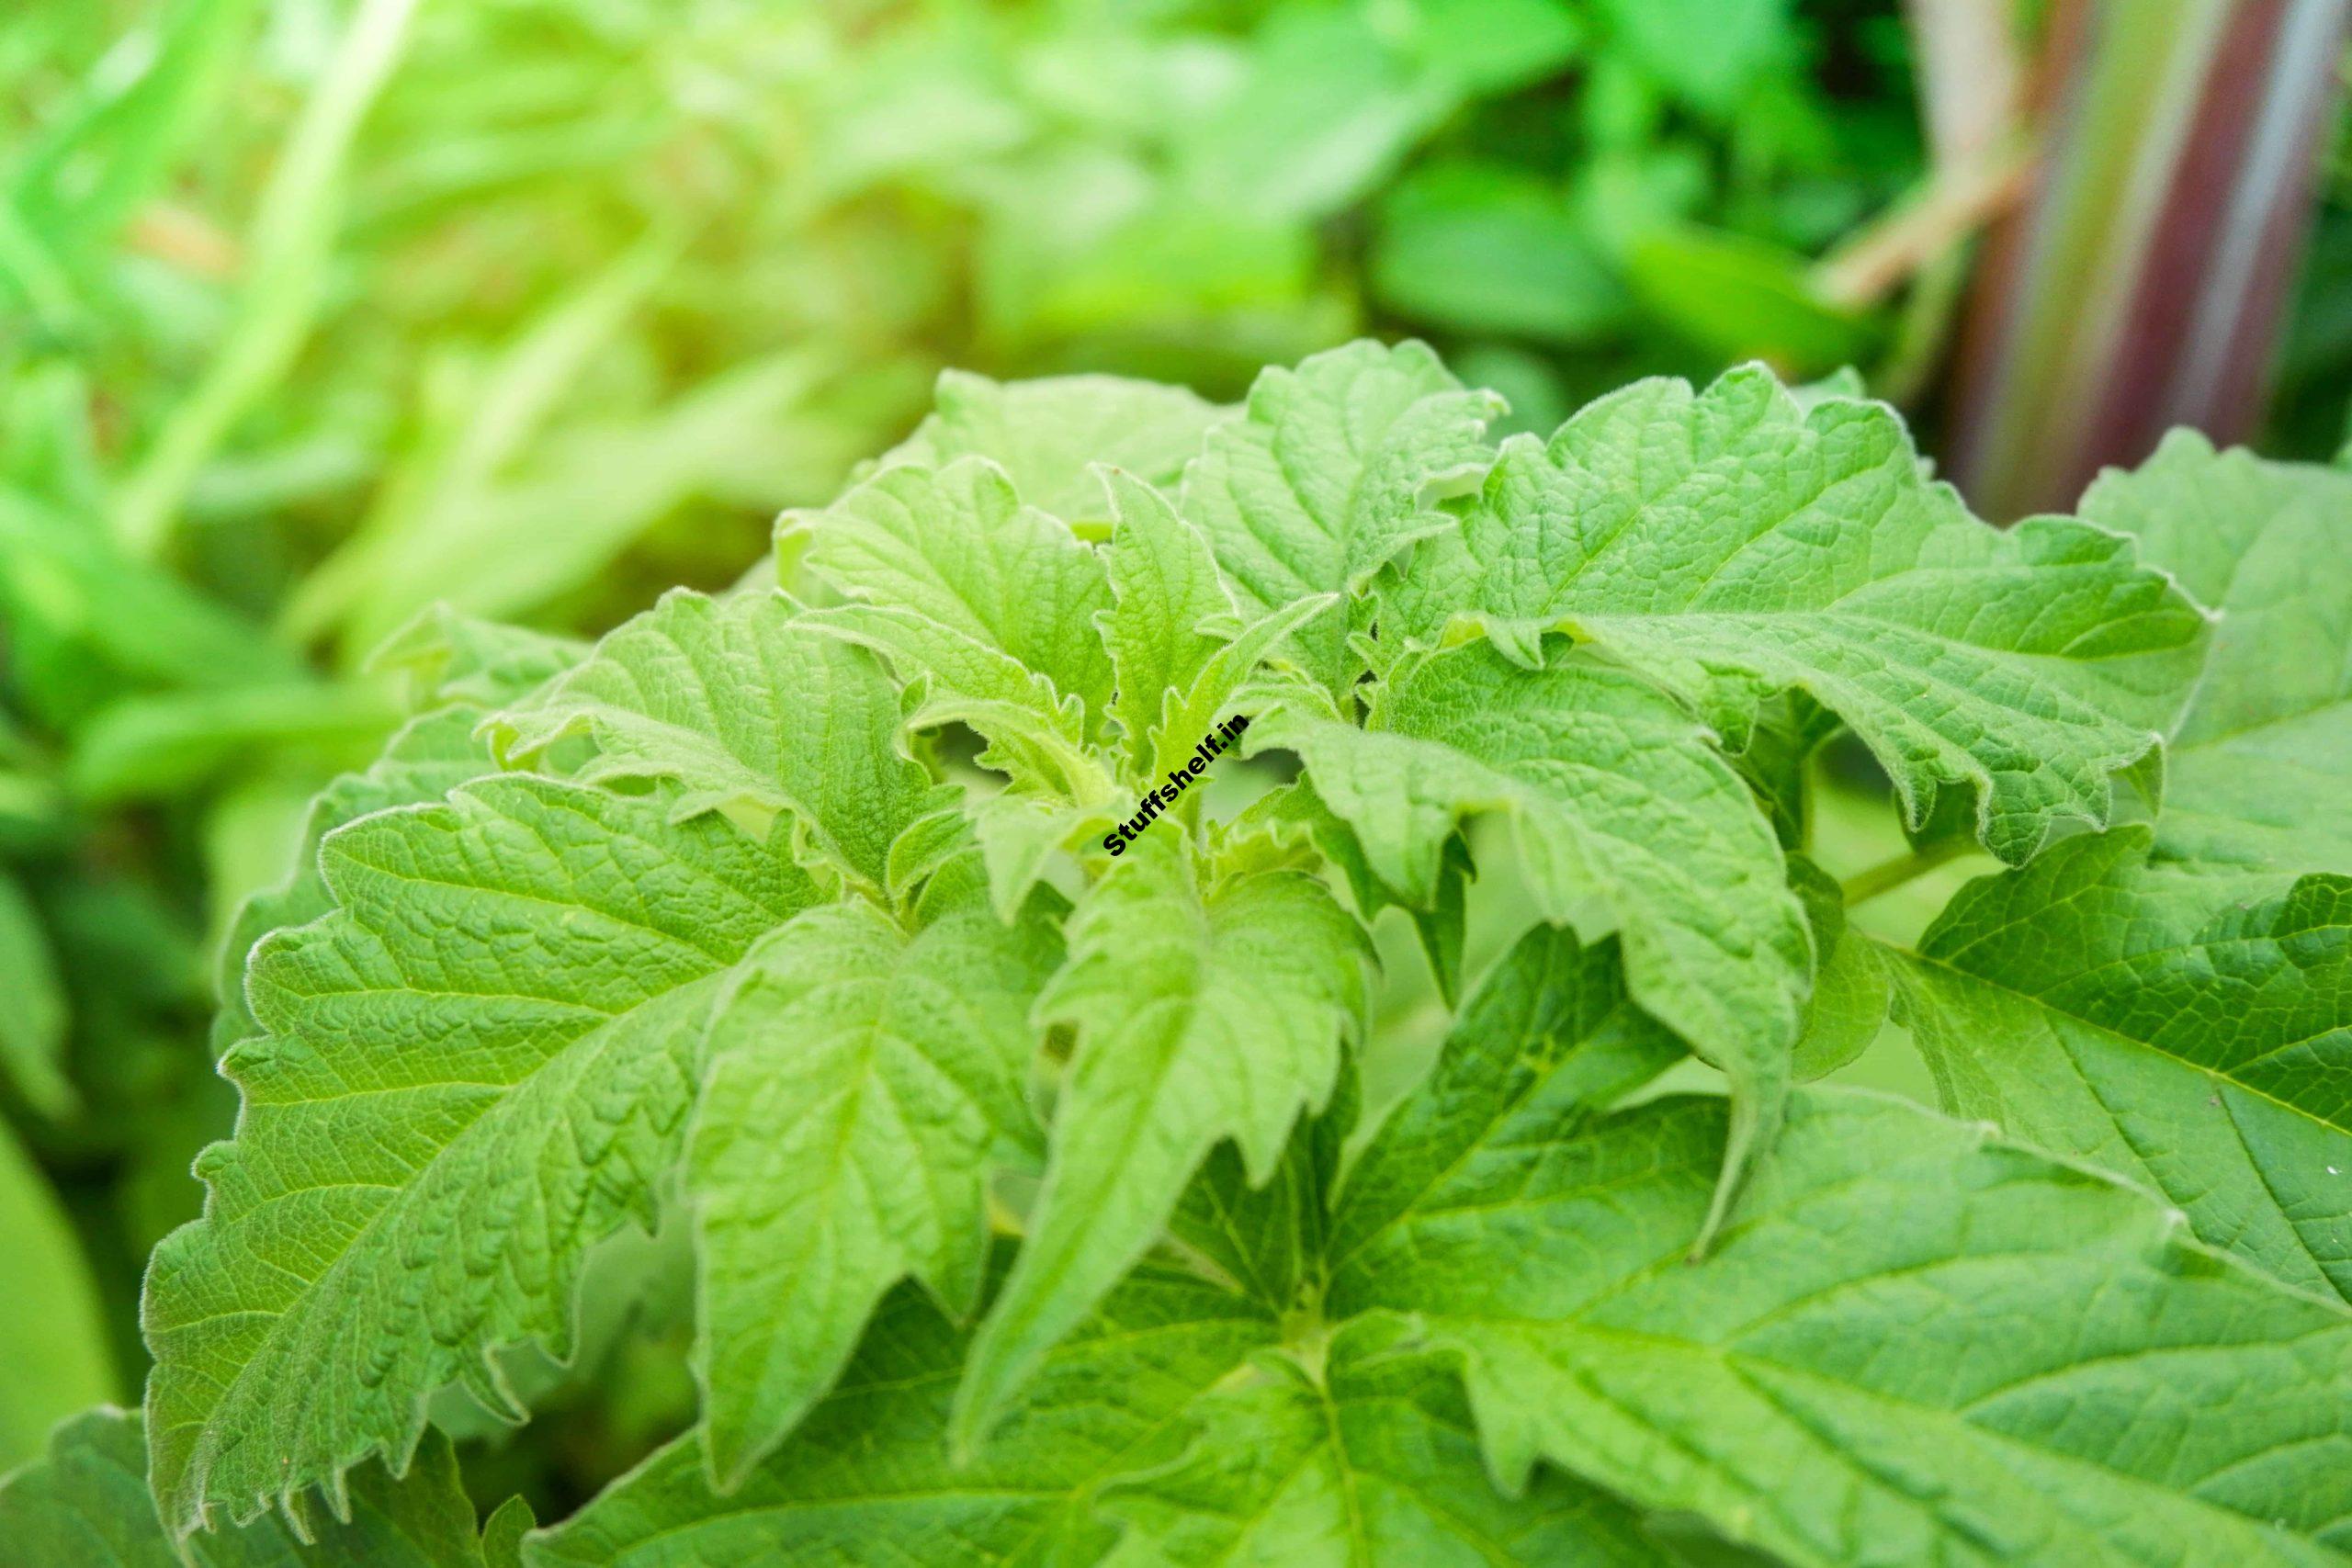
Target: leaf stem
{"x":1889,"y":874}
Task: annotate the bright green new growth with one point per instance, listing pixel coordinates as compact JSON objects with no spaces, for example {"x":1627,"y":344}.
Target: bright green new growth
{"x":731,"y":910}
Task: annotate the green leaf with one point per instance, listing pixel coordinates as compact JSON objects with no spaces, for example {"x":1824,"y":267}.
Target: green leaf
{"x":1488,"y":248}
{"x":1613,"y":796}
{"x":1294,"y":813}
{"x":453,"y":657}
{"x":1375,"y":1460}
{"x":957,"y":548}
{"x":1049,"y":434}
{"x":1019,"y":834}
{"x":1916,"y":1344}
{"x":74,"y":599}
{"x":32,"y":1007}
{"x":503,"y":1533}
{"x":1326,"y":480}
{"x":1201,"y":1013}
{"x":1193,"y":714}
{"x":1169,"y":612}
{"x":1264,"y":1240}
{"x":87,"y":1501}
{"x":54,"y":1355}
{"x":1851,"y":988}
{"x":1707,"y":53}
{"x":863,"y":1083}
{"x":1730,"y":546}
{"x":1550,"y":1034}
{"x":867,"y":1478}
{"x":1036,"y":735}
{"x":1323,"y":106}
{"x":2259,"y":767}
{"x":740,"y":705}
{"x":2189,"y":1035}
{"x":424,"y":760}
{"x":1735,"y":296}
{"x":476,"y":1066}
{"x":1776,"y":762}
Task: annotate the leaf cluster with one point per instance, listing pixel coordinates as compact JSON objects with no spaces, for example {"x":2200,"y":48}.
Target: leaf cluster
{"x":315,"y":315}
{"x":1039,"y":1209}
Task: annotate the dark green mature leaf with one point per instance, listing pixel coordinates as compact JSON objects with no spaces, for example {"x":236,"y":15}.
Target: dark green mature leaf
{"x":1612,"y":795}
{"x":1205,"y":1009}
{"x":1730,"y":545}
{"x":2261,"y":766}
{"x":1325,"y":480}
{"x":1914,"y":1343}
{"x":387,"y":1216}
{"x":863,"y":1081}
{"x":2173,"y":1028}
{"x":1550,"y":1034}
{"x":86,"y":1503}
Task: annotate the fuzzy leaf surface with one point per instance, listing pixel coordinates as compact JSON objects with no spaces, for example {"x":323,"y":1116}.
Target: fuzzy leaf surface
{"x":1730,"y":545}
{"x":2260,"y":767}
{"x":474,"y":1067}
{"x":424,"y":760}
{"x":458,"y":667}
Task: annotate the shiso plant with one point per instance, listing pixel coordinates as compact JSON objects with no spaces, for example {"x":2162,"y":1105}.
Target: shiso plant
{"x":1049,"y":1207}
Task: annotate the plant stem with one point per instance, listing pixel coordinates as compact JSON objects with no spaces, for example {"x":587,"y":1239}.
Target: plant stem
{"x":1889,"y":874}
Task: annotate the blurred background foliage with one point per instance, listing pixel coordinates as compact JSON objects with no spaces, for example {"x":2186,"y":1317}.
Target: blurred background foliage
{"x":314,"y":313}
